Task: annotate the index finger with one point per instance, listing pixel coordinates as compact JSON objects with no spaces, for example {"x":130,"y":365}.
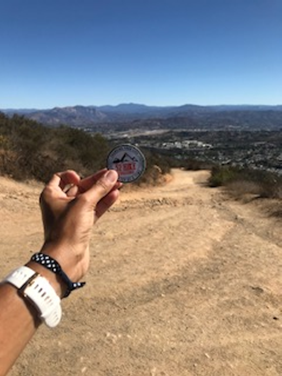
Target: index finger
{"x":62,"y":179}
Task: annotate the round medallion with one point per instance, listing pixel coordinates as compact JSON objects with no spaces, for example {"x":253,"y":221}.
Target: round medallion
{"x":128,"y":161}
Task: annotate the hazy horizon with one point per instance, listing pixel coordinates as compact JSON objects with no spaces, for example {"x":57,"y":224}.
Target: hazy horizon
{"x":146,"y":105}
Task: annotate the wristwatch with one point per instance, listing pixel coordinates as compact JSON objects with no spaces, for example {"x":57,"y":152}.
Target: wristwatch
{"x":38,"y":291}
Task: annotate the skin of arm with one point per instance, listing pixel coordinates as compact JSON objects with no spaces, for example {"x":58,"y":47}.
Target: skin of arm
{"x":70,"y":206}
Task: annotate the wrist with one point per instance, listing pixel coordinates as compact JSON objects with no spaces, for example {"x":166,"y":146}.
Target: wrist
{"x":52,"y":265}
{"x":58,"y":285}
{"x":74,"y":264}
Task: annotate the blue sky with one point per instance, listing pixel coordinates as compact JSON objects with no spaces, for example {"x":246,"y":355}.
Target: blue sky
{"x":155,"y":52}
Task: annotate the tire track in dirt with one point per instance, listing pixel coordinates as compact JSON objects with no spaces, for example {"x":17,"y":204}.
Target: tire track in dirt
{"x":182,"y":282}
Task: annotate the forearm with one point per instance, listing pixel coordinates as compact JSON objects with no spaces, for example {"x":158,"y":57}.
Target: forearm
{"x":19,"y":318}
{"x":68,"y":220}
{"x":19,"y":322}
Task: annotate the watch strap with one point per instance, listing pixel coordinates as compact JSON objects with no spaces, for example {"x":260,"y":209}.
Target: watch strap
{"x":20,"y":276}
{"x":51,"y":264}
{"x":38,"y":291}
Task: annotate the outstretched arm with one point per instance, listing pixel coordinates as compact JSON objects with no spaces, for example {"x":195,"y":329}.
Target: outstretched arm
{"x":70,"y":207}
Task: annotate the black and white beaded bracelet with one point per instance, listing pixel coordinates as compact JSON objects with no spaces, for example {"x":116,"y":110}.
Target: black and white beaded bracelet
{"x":51,"y":264}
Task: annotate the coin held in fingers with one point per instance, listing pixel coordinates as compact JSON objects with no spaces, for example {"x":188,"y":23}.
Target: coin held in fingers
{"x":128,"y":161}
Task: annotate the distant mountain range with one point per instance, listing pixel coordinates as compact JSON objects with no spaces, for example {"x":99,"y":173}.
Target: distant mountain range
{"x":139,"y":115}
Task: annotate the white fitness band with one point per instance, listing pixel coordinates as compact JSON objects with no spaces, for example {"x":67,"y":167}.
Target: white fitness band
{"x":38,"y":291}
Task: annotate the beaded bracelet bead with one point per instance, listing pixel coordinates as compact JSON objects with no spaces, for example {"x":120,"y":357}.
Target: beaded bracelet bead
{"x":52,"y":265}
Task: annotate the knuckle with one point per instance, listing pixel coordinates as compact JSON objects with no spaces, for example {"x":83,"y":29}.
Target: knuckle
{"x":46,"y":194}
{"x":84,"y":199}
{"x":102,"y":184}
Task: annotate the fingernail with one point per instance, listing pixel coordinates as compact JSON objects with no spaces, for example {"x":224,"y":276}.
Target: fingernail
{"x":111,"y":176}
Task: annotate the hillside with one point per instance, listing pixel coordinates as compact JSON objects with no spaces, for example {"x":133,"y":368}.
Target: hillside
{"x":183,"y":282}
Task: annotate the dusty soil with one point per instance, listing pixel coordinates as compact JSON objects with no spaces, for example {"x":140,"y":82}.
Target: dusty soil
{"x":183,"y":281}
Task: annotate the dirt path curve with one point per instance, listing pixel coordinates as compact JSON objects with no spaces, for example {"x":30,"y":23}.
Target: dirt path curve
{"x":182,"y":282}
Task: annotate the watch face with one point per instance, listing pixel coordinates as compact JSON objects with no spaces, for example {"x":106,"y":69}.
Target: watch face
{"x":128,"y":161}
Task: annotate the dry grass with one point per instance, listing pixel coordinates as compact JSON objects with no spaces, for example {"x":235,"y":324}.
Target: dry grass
{"x":247,"y":185}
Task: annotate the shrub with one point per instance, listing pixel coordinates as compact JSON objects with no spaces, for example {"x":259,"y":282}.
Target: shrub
{"x":155,"y":159}
{"x":32,"y":151}
{"x":196,"y":165}
{"x":29,"y":150}
{"x":242,"y":181}
{"x":222,"y":175}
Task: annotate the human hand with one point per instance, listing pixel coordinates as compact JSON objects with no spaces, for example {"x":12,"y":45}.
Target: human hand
{"x":70,"y":206}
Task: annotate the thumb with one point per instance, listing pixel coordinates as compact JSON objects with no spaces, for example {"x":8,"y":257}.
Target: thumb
{"x":102,"y":187}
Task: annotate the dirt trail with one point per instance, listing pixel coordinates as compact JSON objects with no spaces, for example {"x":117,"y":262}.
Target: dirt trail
{"x":182,"y":282}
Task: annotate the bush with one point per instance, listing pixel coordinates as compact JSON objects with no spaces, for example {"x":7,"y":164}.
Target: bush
{"x":222,"y":175}
{"x":196,"y":165}
{"x":29,"y":150}
{"x":242,"y":181}
{"x":155,"y":159}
